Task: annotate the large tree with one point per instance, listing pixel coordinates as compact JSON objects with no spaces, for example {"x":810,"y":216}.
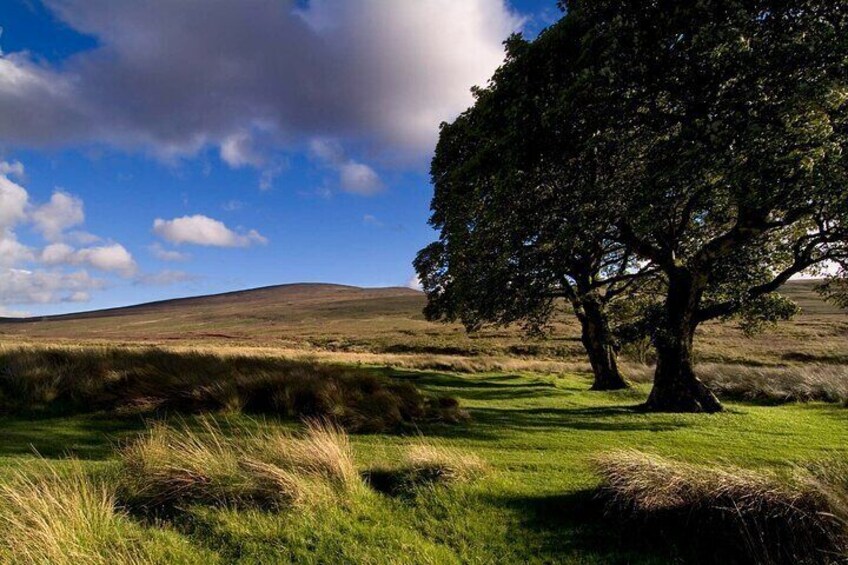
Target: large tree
{"x":521,"y":231}
{"x":703,"y":140}
{"x":730,"y":122}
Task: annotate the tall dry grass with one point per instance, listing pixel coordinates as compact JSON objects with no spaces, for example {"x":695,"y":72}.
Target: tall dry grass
{"x":147,"y":381}
{"x":724,"y":514}
{"x":169,"y":467}
{"x":425,"y":464}
{"x":67,"y":518}
{"x":773,"y":384}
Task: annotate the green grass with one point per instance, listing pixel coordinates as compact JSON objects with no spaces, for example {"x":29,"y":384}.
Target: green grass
{"x":537,"y":434}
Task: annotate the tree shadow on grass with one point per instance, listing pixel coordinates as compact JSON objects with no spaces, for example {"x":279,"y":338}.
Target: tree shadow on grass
{"x":602,"y":418}
{"x":90,"y":437}
{"x":574,"y":524}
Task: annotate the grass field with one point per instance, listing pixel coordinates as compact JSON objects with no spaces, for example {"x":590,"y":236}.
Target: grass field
{"x":533,"y":423}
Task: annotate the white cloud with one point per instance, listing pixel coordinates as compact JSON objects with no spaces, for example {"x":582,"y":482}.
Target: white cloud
{"x":202,"y":230}
{"x":14,"y":168}
{"x":354,"y":177}
{"x":13,"y":203}
{"x":358,"y":178}
{"x":237,"y":150}
{"x":57,"y":254}
{"x":12,"y":252}
{"x":22,"y":278}
{"x":112,"y":257}
{"x":82,"y":237}
{"x":19,"y":286}
{"x":380,"y":75}
{"x":62,"y":212}
{"x":167,"y":254}
{"x":414,"y":283}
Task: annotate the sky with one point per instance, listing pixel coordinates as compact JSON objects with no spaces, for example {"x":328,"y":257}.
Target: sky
{"x":152,"y":149}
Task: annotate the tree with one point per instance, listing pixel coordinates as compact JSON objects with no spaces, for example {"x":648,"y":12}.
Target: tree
{"x":520,"y":228}
{"x":729,"y":119}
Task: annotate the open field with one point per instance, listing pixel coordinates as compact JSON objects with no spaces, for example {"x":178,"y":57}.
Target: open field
{"x":518,"y":482}
{"x":328,"y":319}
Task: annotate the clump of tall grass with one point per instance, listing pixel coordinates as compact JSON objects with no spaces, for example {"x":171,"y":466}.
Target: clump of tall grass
{"x":726,"y":514}
{"x":268,"y":468}
{"x":796,"y":383}
{"x":111,"y":379}
{"x":67,"y":518}
{"x":425,"y":464}
{"x":804,"y":383}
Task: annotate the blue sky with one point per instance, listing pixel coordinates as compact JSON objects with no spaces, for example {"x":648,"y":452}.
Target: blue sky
{"x":153,"y":149}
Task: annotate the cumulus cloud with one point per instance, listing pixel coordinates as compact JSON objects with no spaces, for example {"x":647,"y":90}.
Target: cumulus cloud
{"x":21,"y":286}
{"x":174,"y":77}
{"x":167,"y":254}
{"x":30,"y":275}
{"x":354,"y":177}
{"x":14,"y":168}
{"x":202,"y":230}
{"x":237,"y":151}
{"x":13,"y":203}
{"x":113,"y":257}
{"x":62,"y":212}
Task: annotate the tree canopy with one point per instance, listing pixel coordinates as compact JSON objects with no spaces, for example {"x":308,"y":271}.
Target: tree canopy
{"x":702,"y":143}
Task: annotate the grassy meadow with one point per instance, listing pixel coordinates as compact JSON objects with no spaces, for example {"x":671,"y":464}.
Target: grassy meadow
{"x":333,"y":425}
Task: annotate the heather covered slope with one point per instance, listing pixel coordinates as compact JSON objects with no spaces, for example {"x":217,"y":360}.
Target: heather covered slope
{"x":325,"y":317}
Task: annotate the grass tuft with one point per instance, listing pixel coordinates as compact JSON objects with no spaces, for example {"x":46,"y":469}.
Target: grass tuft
{"x":68,"y":518}
{"x":724,"y":513}
{"x":170,"y":467}
{"x":425,"y":465}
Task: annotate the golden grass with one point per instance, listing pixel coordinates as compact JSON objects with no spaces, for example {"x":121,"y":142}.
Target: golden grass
{"x":69,"y":519}
{"x":268,"y":468}
{"x":425,"y":464}
{"x":765,"y":519}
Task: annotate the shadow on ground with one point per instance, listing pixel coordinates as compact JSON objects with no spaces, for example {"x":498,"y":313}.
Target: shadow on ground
{"x":85,"y":437}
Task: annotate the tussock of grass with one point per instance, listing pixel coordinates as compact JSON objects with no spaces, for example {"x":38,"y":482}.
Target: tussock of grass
{"x":65,"y":381}
{"x":826,"y":383}
{"x":169,"y":467}
{"x":724,"y":513}
{"x":425,"y":464}
{"x":777,"y":385}
{"x":68,"y":519}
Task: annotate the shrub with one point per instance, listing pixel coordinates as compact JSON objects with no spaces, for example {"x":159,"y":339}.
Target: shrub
{"x":727,"y":514}
{"x":148,"y":381}
{"x":173,"y":466}
{"x":68,"y":518}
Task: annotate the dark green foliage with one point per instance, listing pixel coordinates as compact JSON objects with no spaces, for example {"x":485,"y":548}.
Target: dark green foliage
{"x":154,"y":381}
{"x":701,"y":142}
{"x":728,"y":123}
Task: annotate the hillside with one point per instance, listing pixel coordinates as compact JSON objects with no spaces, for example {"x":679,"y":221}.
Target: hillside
{"x":389,"y":320}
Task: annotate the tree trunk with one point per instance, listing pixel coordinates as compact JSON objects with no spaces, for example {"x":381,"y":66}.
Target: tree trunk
{"x":676,"y":388}
{"x":600,"y":347}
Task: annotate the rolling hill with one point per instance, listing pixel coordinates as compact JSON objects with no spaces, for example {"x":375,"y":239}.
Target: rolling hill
{"x":385,"y":320}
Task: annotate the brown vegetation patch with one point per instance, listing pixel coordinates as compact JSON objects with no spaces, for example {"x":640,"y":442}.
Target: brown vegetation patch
{"x":726,"y":514}
{"x":68,"y":381}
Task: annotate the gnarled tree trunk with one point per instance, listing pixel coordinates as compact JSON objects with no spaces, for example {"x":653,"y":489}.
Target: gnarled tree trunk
{"x":600,"y":346}
{"x":676,"y":388}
